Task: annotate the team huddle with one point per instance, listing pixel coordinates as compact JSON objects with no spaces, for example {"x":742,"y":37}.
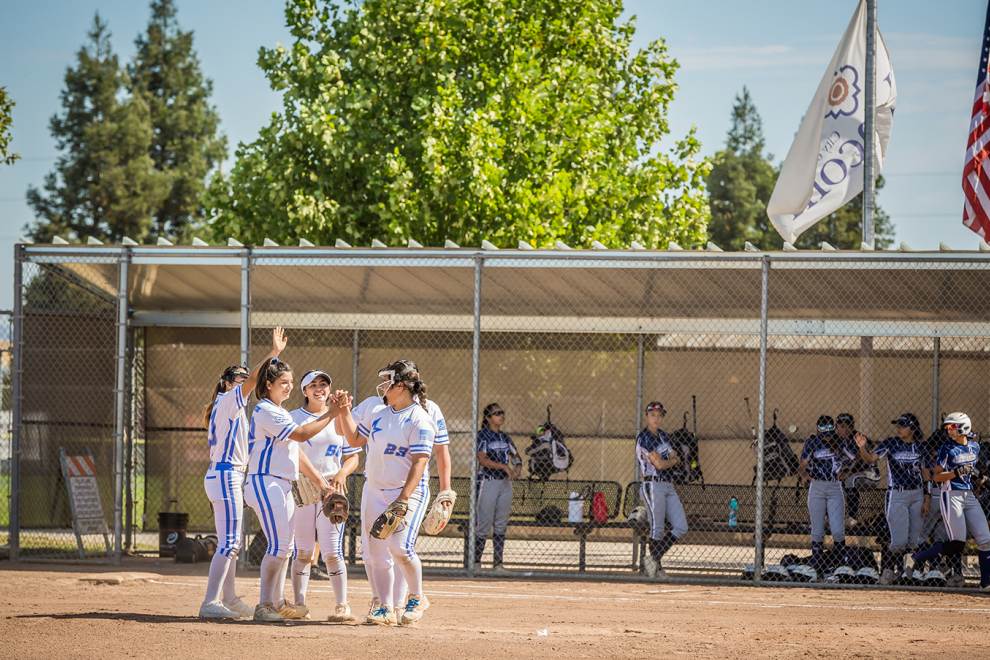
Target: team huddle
{"x":291,"y":468}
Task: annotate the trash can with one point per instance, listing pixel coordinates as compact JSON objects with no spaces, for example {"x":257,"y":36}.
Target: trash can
{"x":171,"y":529}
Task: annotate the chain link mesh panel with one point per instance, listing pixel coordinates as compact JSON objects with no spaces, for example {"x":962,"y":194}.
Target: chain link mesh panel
{"x":595,"y":339}
{"x":67,"y":401}
{"x":6,"y":422}
{"x":857,"y":338}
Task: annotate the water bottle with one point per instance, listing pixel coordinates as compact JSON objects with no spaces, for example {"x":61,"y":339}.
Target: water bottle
{"x":733,"y":515}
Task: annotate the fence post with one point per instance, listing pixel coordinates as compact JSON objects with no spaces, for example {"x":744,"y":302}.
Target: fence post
{"x":242,"y":556}
{"x":638,"y":413}
{"x":355,"y":362}
{"x":16,"y":366}
{"x":120,"y":394}
{"x":475,"y":368}
{"x":936,"y":368}
{"x":129,"y":445}
{"x":760,"y":417}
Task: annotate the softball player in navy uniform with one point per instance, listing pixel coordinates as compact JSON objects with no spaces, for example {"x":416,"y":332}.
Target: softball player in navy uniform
{"x":822,"y":460}
{"x":961,"y":511}
{"x":398,"y":439}
{"x":657,"y":458}
{"x":331,"y":456}
{"x":227,"y":429}
{"x":905,"y":493}
{"x":499,"y":464}
{"x":275,"y":463}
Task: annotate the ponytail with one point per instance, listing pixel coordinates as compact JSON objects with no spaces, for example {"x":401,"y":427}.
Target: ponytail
{"x":208,"y":408}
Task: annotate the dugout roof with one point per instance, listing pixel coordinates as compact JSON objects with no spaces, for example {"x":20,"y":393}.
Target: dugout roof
{"x":630,"y":291}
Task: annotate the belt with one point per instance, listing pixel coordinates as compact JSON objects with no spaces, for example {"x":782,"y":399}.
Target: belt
{"x":219,"y":467}
{"x":657,"y":479}
{"x":902,"y":489}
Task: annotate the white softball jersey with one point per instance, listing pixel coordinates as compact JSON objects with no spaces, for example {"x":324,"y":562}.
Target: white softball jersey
{"x":228,"y":431}
{"x":272,"y":452}
{"x":438,"y":420}
{"x":393,"y":436}
{"x":326,"y":449}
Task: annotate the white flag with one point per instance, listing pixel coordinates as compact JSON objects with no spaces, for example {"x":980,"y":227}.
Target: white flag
{"x":824,"y":167}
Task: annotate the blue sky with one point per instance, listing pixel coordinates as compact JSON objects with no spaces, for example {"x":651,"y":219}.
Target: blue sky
{"x":778,"y":48}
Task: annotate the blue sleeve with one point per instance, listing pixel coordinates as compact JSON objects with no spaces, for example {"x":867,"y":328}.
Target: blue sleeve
{"x":481,"y":442}
{"x":883,"y":448}
{"x":423,"y":436}
{"x":808,"y":448}
{"x":646,"y":441}
{"x":942,"y":459}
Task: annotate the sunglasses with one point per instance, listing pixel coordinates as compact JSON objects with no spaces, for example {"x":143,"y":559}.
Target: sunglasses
{"x":497,"y":413}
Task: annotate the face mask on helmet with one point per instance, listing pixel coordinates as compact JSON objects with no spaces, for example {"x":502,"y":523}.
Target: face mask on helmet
{"x":387,"y":378}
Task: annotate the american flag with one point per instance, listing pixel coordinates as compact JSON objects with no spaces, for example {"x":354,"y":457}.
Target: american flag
{"x":976,"y":171}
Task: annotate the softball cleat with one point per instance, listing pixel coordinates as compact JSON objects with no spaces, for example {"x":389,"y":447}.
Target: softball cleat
{"x":266,"y":613}
{"x":415,"y":607}
{"x":341,"y":614}
{"x":375,"y":604}
{"x":216,"y":610}
{"x":381,"y":616}
{"x":240,"y":608}
{"x":293,"y":611}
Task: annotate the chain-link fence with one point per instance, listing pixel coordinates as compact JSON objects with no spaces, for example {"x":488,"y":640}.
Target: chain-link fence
{"x":743,"y":351}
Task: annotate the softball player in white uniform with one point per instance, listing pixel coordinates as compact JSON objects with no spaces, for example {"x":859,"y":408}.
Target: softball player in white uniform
{"x":398,"y":438}
{"x":274,"y":465}
{"x":331,"y":456}
{"x":441,"y":451}
{"x":227,"y":430}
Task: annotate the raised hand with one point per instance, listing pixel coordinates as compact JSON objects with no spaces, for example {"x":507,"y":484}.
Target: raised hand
{"x":860,"y":440}
{"x":279,"y":340}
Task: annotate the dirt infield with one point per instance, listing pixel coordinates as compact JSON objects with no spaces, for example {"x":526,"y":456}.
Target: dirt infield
{"x":148,"y":610}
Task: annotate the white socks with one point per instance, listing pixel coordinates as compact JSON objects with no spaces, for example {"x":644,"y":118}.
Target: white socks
{"x":383,"y":581}
{"x":272,"y":585}
{"x":412,"y":570}
{"x":337,"y":571}
{"x":300,"y":579}
{"x":221,"y":572}
{"x":228,"y":582}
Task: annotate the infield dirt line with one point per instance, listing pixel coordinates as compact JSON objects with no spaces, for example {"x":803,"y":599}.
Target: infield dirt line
{"x":493,"y":593}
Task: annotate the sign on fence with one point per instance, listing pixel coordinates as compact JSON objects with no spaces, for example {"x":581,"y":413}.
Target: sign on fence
{"x":79,"y":473}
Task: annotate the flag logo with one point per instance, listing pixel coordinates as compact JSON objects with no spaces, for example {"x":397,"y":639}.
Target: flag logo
{"x":843,"y":96}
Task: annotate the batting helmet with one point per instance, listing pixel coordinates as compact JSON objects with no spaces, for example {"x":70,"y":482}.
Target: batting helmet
{"x":961,"y":421}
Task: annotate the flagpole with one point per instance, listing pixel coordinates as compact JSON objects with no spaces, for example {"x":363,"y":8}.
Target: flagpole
{"x":869,"y":130}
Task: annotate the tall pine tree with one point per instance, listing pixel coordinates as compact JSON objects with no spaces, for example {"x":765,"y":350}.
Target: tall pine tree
{"x":104,"y":183}
{"x":186,"y":143}
{"x":742,"y":180}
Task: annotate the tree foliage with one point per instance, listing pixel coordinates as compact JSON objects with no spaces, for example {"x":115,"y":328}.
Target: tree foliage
{"x":186,"y":144}
{"x":6,"y":111}
{"x":742,"y":180}
{"x":464,"y":120}
{"x":104,"y":183}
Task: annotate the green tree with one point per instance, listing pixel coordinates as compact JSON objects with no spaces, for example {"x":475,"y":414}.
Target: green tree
{"x":740,"y":183}
{"x":186,"y":144}
{"x":6,"y":118}
{"x":844,"y":228}
{"x":465,"y":120}
{"x":104,"y":183}
{"x":742,"y":180}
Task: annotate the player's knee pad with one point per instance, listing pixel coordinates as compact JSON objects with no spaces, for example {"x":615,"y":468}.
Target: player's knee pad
{"x":281,"y":553}
{"x":303,"y":554}
{"x":954,"y":548}
{"x":335,"y":565}
{"x":983,"y":547}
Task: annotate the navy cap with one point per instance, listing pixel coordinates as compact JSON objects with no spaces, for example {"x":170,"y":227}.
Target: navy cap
{"x":908,"y":420}
{"x":826,"y":424}
{"x":656,"y":405}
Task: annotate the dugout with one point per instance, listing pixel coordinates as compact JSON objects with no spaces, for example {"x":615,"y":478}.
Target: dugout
{"x":117,"y":348}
